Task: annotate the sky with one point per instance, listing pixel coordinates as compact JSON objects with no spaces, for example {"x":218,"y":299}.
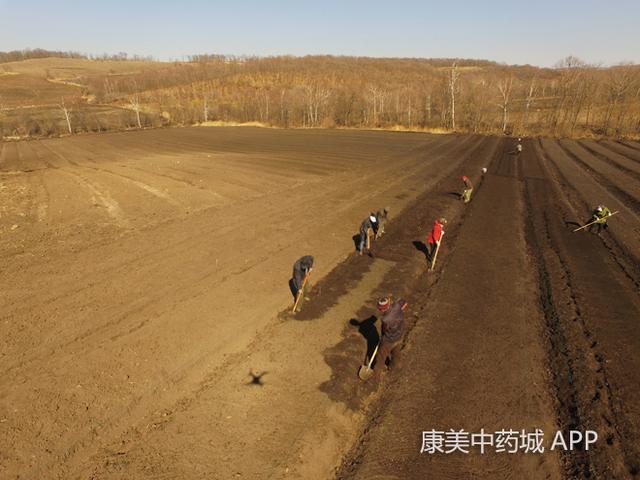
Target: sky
{"x":538,"y":32}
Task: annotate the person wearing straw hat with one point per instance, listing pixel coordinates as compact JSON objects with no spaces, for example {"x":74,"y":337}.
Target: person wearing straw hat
{"x":392,"y":325}
{"x":435,"y":237}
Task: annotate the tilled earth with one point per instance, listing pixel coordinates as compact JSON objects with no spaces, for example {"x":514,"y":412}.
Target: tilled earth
{"x":145,"y":330}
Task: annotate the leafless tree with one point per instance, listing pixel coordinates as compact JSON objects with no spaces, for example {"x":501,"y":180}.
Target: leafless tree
{"x":620,"y":83}
{"x":453,"y":80}
{"x":531,"y":92}
{"x":66,"y":111}
{"x":134,"y":103}
{"x":505,"y":86}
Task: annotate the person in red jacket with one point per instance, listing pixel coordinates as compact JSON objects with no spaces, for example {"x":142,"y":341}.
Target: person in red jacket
{"x":436,"y":236}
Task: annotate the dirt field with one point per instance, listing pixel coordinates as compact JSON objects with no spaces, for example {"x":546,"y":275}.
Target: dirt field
{"x":144,"y":330}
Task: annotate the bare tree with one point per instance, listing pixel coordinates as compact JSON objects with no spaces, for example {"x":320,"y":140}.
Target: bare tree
{"x":134,"y":102}
{"x":531,"y":92}
{"x":377,"y":96}
{"x":453,"y":80}
{"x":67,"y":111}
{"x":620,"y":82}
{"x":505,"y":86}
{"x":316,"y":96}
{"x":206,"y":95}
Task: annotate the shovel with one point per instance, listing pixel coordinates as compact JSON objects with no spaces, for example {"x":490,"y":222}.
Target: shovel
{"x":365,"y":370}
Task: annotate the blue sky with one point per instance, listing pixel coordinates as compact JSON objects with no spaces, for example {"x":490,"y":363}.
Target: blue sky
{"x":536,"y":32}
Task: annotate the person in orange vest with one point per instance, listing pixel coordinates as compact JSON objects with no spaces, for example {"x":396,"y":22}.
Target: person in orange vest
{"x":435,"y":237}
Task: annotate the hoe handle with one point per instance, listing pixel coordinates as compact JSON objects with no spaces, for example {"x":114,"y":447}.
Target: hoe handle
{"x":435,"y":255}
{"x":596,"y":221}
{"x":375,"y":351}
{"x":301,"y":291}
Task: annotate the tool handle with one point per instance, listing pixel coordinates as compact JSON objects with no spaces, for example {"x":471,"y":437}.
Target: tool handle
{"x":301,"y":292}
{"x":435,"y":255}
{"x":375,"y":351}
{"x":596,"y":221}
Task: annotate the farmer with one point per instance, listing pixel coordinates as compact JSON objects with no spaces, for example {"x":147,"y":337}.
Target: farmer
{"x":301,"y":269}
{"x":466,"y":193}
{"x":599,"y":216}
{"x":435,"y":237}
{"x":383,"y":217}
{"x":368,"y":228}
{"x":392,"y":325}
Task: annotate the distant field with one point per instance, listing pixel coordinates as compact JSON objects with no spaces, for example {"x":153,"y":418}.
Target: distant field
{"x":73,"y":68}
{"x":32,"y":90}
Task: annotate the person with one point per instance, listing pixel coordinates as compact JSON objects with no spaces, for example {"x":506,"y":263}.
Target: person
{"x":392,"y":326}
{"x":466,"y":193}
{"x":599,"y":216}
{"x":435,"y":237}
{"x":301,"y":269}
{"x":383,"y":217}
{"x":368,"y":227}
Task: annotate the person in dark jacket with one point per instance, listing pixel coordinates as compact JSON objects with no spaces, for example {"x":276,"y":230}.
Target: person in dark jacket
{"x":392,"y":325}
{"x":300,"y":270}
{"x":368,"y":227}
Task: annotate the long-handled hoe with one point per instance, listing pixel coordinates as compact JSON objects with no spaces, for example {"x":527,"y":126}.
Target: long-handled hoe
{"x":301,"y":291}
{"x":595,"y":221}
{"x":435,"y":255}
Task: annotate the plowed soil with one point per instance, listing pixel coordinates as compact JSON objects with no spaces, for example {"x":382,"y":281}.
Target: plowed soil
{"x":145,"y":329}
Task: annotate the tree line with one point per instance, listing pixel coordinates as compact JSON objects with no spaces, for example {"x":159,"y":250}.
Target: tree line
{"x":571,"y":99}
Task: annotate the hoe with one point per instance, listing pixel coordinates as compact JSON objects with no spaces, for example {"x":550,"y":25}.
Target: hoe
{"x":301,"y":292}
{"x":595,"y":221}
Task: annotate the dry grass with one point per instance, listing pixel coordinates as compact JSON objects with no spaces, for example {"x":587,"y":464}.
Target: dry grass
{"x":220,"y":123}
{"x":69,"y":68}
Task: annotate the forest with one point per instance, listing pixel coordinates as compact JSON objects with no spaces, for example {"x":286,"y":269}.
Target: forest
{"x":572,"y":99}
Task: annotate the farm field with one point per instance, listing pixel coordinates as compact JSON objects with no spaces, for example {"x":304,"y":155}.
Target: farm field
{"x":144,"y":324}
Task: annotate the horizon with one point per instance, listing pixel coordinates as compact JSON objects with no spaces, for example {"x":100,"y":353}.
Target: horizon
{"x":501,"y":32}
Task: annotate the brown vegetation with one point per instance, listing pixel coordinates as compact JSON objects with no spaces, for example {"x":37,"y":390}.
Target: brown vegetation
{"x":573,"y":99}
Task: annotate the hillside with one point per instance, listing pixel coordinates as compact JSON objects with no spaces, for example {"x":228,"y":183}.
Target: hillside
{"x":54,"y":95}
